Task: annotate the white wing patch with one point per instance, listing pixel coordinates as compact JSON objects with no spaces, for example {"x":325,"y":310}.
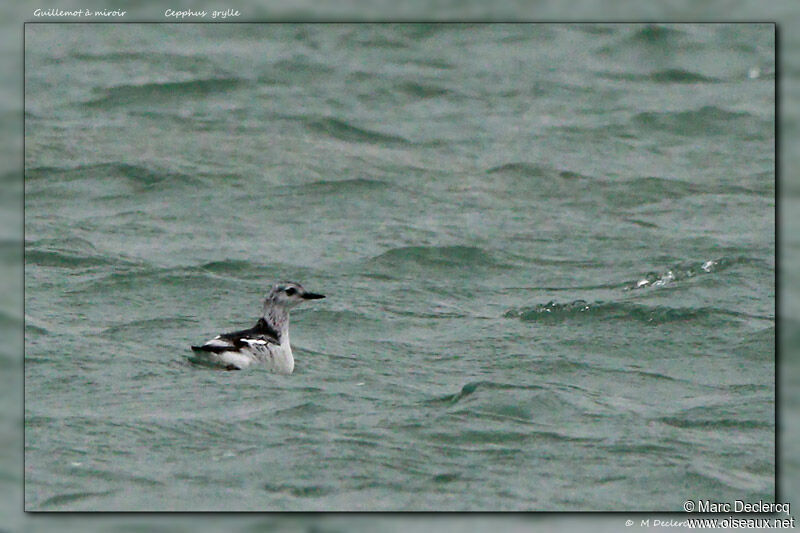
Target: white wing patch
{"x":251,"y":342}
{"x":219,"y":343}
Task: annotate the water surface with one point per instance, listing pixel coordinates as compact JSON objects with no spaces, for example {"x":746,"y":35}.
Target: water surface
{"x":548,"y":253}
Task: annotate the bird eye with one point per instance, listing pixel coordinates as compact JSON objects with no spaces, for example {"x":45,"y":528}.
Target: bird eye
{"x":290,"y":291}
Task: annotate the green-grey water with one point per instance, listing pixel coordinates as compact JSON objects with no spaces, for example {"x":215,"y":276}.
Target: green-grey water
{"x":548,"y":253}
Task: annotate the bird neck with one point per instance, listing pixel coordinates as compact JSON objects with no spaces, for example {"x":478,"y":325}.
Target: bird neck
{"x":278,"y":318}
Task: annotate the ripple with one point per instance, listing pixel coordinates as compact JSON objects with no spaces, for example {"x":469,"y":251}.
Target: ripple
{"x":148,"y":92}
{"x":72,"y":253}
{"x":520,"y":168}
{"x":146,"y":326}
{"x":297,"y":70}
{"x":441,"y":256}
{"x":137,"y":175}
{"x":71,"y":497}
{"x":304,"y":409}
{"x":51,"y":258}
{"x":301,"y":491}
{"x":344,"y":131}
{"x":716,"y":423}
{"x":229,"y":266}
{"x":348,"y":186}
{"x":708,"y":120}
{"x":661,"y":76}
{"x":687,"y":270}
{"x":418,"y":90}
{"x":654,"y":34}
{"x":472,"y":387}
{"x":583,"y":311}
{"x":135,"y":278}
{"x":740,"y":480}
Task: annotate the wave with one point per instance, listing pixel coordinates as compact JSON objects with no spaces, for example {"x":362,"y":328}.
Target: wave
{"x":521,"y":168}
{"x":657,"y":35}
{"x":332,"y":318}
{"x":303,"y":409}
{"x":153,"y":92}
{"x":301,"y":491}
{"x":434,"y":63}
{"x":70,"y":253}
{"x":714,"y":423}
{"x":581,"y":310}
{"x":346,"y":186}
{"x":759,"y":346}
{"x":146,"y":326}
{"x":112,"y":56}
{"x":530,"y":178}
{"x":661,"y":76}
{"x":71,"y":497}
{"x":379,"y":40}
{"x":465,"y":391}
{"x":651,"y":38}
{"x":235,"y":274}
{"x":418,"y":90}
{"x":472,"y":387}
{"x":708,"y":120}
{"x":184,"y":277}
{"x":435,"y":256}
{"x":648,"y":189}
{"x":130,"y":56}
{"x":761,"y":485}
{"x":136,"y":174}
{"x":297,"y":70}
{"x":166,"y":61}
{"x":73,"y":244}
{"x":515,"y":413}
{"x":51,"y":258}
{"x":228,"y":266}
{"x":687,"y":270}
{"x":238,"y":431}
{"x":521,"y":179}
{"x":344,"y":131}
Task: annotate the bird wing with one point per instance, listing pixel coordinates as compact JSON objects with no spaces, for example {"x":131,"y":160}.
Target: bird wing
{"x":260,"y":334}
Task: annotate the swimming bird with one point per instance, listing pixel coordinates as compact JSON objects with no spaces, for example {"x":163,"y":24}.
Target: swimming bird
{"x":267,"y":342}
